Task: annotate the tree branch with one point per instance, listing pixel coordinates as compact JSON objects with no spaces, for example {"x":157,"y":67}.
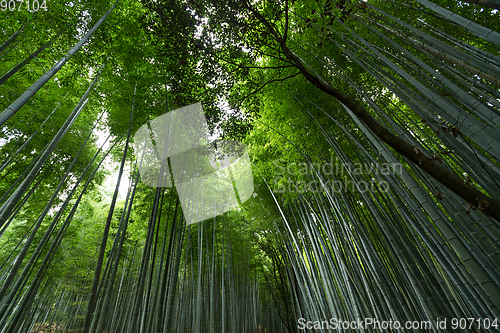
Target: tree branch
{"x":442,"y":175}
{"x":265,"y":84}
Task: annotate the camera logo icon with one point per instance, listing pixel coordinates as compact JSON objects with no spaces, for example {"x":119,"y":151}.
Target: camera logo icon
{"x":210,"y":178}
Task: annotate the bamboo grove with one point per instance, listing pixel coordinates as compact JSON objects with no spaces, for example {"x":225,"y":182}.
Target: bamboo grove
{"x":373,"y":131}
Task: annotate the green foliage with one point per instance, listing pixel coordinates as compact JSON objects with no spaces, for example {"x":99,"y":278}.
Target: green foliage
{"x":286,"y":248}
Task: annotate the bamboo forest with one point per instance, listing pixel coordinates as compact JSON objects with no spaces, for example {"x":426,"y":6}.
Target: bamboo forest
{"x":260,"y":166}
